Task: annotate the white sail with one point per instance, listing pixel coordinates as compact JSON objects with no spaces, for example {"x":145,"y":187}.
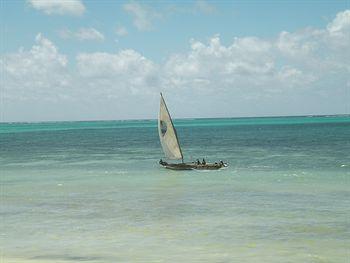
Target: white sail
{"x":167,"y":133}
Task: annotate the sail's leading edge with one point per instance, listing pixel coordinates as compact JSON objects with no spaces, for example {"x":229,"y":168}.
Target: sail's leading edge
{"x":167,"y":133}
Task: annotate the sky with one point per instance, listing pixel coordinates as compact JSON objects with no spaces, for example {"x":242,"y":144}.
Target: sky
{"x":66,"y":60}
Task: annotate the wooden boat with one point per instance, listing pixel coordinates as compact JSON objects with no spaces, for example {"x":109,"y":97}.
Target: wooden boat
{"x":193,"y":166}
{"x":171,"y":146}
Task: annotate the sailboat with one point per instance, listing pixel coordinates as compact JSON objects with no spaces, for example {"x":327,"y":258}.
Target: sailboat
{"x":171,"y":146}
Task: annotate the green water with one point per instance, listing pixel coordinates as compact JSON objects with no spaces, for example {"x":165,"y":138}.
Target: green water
{"x":93,"y":192}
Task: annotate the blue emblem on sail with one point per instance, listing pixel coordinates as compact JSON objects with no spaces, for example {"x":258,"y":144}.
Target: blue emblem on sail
{"x":163,"y":127}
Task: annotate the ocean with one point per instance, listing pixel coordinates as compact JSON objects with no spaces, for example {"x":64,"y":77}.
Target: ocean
{"x":94,"y":192}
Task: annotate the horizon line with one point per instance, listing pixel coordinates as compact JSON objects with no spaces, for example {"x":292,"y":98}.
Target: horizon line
{"x":184,"y":118}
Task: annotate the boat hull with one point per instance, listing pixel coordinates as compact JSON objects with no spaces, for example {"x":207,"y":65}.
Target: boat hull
{"x":193,"y":166}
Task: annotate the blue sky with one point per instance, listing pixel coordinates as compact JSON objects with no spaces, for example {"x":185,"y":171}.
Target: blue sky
{"x":171,"y":33}
{"x":263,"y":56}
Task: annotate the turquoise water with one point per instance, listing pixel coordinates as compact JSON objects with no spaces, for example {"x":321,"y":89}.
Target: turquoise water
{"x":94,"y":192}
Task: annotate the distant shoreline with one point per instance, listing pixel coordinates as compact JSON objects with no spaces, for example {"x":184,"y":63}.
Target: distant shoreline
{"x":186,"y":118}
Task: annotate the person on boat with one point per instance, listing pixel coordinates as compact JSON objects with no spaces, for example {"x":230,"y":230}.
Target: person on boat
{"x":223,"y":164}
{"x":204,"y":162}
{"x":161,"y":162}
{"x":198,"y":162}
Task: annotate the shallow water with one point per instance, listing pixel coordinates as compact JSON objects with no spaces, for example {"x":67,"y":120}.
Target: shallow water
{"x":93,"y":191}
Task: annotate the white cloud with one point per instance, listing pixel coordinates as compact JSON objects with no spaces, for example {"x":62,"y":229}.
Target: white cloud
{"x":340,"y":23}
{"x":59,"y":7}
{"x":295,"y":44}
{"x":39,"y":85}
{"x":126,"y":63}
{"x":143,"y":15}
{"x":82,"y":34}
{"x":296,"y":66}
{"x":89,"y":34}
{"x":41,"y":60}
{"x":121,"y":31}
{"x":117,"y":84}
{"x":40,"y":72}
{"x":301,"y":72}
{"x":338,"y":31}
{"x":247,"y":58}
